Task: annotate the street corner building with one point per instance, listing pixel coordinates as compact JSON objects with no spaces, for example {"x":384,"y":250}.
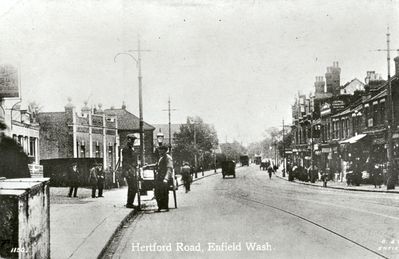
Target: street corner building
{"x":22,"y":126}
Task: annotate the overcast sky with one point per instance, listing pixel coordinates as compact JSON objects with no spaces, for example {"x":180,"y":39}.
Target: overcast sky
{"x":237,"y":64}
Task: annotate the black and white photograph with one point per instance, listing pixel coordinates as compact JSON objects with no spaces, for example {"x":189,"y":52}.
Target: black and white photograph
{"x":199,"y":129}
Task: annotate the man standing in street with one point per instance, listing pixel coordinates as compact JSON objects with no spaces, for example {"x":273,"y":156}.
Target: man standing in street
{"x":73,"y":179}
{"x":163,"y":179}
{"x":93,"y":180}
{"x":100,"y":179}
{"x":186,"y":176}
{"x":129,"y":170}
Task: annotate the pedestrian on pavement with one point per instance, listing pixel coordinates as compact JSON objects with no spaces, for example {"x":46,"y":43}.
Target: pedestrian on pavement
{"x":377,"y":176}
{"x":324,"y":178}
{"x":93,"y":178}
{"x":100,"y":180}
{"x":73,"y":179}
{"x":270,"y":171}
{"x":13,"y":160}
{"x":163,"y":179}
{"x":186,"y":176}
{"x":290,"y":173}
{"x":129,"y":170}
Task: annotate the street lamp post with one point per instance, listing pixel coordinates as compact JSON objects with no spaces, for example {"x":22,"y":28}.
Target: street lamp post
{"x":140,"y":79}
{"x":195,"y":153}
{"x":160,"y":138}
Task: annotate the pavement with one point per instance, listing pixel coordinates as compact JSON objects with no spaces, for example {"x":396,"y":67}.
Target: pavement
{"x":222,"y":218}
{"x":341,"y":185}
{"x":83,"y":227}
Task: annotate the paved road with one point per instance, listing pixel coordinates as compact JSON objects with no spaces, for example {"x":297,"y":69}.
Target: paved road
{"x":254,"y":217}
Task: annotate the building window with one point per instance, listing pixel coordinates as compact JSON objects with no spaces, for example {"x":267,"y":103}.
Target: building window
{"x":382,"y":112}
{"x":98,"y":152}
{"x":375,"y":113}
{"x":32,"y":147}
{"x":82,"y":150}
{"x":370,"y":122}
{"x":367,"y":114}
{"x":111,"y":155}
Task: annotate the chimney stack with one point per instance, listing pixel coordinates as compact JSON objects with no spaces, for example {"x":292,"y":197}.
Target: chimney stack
{"x":319,"y":84}
{"x":333,"y":75}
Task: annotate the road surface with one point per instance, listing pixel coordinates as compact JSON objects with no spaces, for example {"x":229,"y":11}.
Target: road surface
{"x":252,"y":216}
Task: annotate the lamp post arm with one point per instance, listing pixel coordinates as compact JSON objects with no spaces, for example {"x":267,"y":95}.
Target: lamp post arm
{"x":125,"y":53}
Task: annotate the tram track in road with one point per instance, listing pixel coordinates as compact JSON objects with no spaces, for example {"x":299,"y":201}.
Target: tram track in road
{"x":313,"y":223}
{"x":262,"y":188}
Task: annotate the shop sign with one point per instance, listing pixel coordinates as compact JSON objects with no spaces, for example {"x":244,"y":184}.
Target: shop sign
{"x":338,"y":105}
{"x":395,"y":135}
{"x":378,"y":141}
{"x":288,"y":152}
{"x":9,"y":87}
{"x":325,"y":109}
{"x":325,"y":150}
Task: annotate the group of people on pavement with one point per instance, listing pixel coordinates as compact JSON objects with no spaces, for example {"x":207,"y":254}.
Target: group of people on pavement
{"x":164,"y":177}
{"x":96,"y":179}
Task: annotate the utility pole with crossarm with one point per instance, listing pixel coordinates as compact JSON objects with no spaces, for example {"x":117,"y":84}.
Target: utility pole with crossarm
{"x":390,"y":121}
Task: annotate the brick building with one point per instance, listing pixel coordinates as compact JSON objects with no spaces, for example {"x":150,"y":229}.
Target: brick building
{"x":349,"y":126}
{"x":70,"y":134}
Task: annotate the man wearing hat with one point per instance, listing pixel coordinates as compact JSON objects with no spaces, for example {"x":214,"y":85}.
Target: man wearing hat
{"x":13,"y":160}
{"x":186,"y":176}
{"x":163,"y":178}
{"x":129,"y":169}
{"x":93,"y":179}
{"x":73,"y":179}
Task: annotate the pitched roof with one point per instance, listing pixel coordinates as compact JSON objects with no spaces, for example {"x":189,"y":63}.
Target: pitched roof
{"x":127,"y":120}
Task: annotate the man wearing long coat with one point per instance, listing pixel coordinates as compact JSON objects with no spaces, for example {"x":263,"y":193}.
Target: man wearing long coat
{"x":163,"y":179}
{"x":129,"y":170}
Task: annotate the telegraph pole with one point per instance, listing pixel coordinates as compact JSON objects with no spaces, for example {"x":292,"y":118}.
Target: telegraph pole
{"x":170,"y":131}
{"x":284,"y":166}
{"x":390,"y":119}
{"x":195,"y":154}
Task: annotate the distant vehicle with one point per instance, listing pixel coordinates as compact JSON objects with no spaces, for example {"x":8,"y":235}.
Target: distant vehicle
{"x":264,"y":164}
{"x":229,"y":168}
{"x":244,"y":160}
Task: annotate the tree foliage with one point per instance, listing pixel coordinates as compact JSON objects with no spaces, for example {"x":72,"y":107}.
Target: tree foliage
{"x":273,"y":139}
{"x":206,"y":141}
{"x":233,"y":150}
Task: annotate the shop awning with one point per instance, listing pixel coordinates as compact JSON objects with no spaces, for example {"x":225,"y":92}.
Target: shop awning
{"x":353,"y":139}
